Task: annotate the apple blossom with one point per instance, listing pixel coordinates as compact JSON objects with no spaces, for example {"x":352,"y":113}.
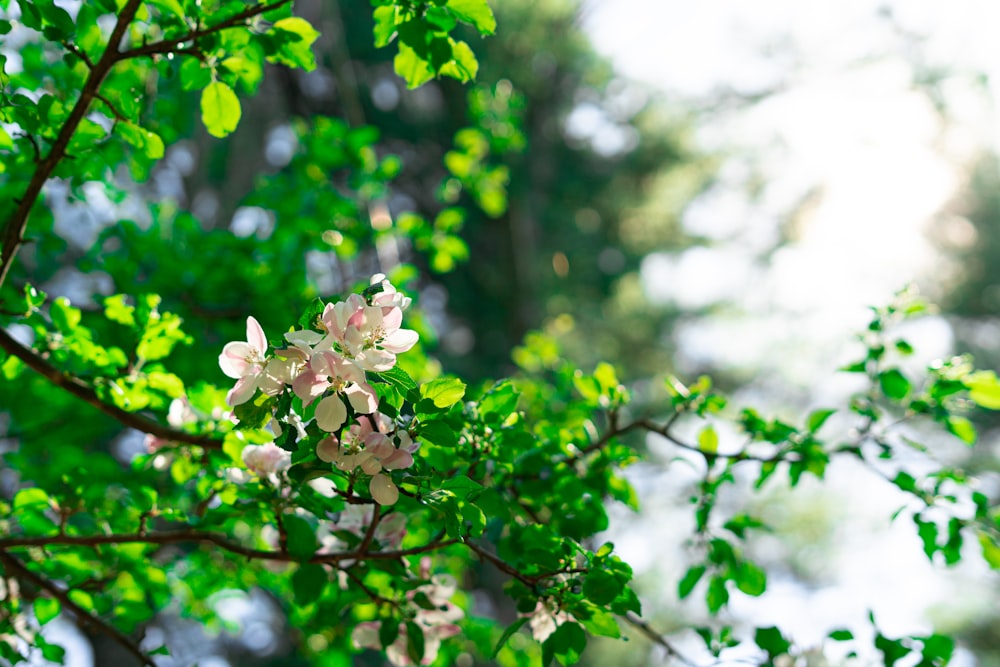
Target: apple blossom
{"x":546,"y":617}
{"x":244,"y":362}
{"x":436,"y":622}
{"x":266,"y":459}
{"x":327,"y":371}
{"x":370,"y":449}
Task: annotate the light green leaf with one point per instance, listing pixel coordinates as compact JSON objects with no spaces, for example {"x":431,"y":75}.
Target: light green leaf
{"x":169,"y":6}
{"x":148,"y":142}
{"x":463,"y":65}
{"x":984,"y":389}
{"x":415,"y":70}
{"x":963,"y":428}
{"x":46,"y":609}
{"x":991,"y":550}
{"x":385,"y":24}
{"x":476,"y":12}
{"x":444,"y":392}
{"x":220,"y":109}
{"x":708,"y":440}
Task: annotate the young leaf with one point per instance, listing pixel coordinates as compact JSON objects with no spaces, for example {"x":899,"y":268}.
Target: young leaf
{"x":220,"y":109}
{"x":476,"y":12}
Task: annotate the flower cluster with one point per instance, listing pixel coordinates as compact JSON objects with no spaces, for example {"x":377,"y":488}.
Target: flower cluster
{"x":328,"y":367}
{"x":429,"y":608}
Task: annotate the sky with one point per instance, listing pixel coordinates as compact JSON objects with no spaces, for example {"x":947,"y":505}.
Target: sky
{"x":859,"y":166}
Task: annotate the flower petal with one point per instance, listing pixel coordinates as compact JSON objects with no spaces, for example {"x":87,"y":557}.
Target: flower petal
{"x":331,"y":413}
{"x":383,"y":490}
{"x":233,"y":360}
{"x":362,"y":398}
{"x":400,"y":340}
{"x":255,"y":335}
{"x":328,"y":449}
{"x":242,"y":391}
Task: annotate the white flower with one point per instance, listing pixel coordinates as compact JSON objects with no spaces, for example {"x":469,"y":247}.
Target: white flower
{"x":266,"y":459}
{"x":244,"y":362}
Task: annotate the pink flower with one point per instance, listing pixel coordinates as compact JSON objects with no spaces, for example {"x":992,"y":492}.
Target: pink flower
{"x":328,"y":371}
{"x":436,"y":624}
{"x":372,"y":450}
{"x":244,"y":362}
{"x":266,"y":459}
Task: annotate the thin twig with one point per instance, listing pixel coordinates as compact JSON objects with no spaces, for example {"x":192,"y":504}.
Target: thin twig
{"x":84,"y":391}
{"x":84,"y":617}
{"x":370,"y":533}
{"x":79,"y":53}
{"x":194,"y":536}
{"x":13,"y":231}
{"x":657,"y":638}
{"x":170,"y":45}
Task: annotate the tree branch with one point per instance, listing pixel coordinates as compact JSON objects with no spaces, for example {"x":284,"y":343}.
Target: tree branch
{"x":17,"y":569}
{"x":195,"y":536}
{"x":13,"y":231}
{"x":170,"y":45}
{"x":84,"y":391}
{"x":656,"y":638}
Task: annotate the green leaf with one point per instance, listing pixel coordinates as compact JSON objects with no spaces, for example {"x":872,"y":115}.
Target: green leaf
{"x":892,"y":649}
{"x":567,"y":642}
{"x":415,"y":648}
{"x":444,"y":392}
{"x":841,"y":635}
{"x":462,"y":486}
{"x":220,"y":109}
{"x":717,"y":595}
{"x":398,"y":378}
{"x":690,"y":580}
{"x":751,"y":579}
{"x":602,"y":624}
{"x":708,"y":440}
{"x":385,"y":24}
{"x":437,"y":433}
{"x":963,"y":428}
{"x":601,"y":588}
{"x":255,"y":413}
{"x":64,"y":316}
{"x":308,"y":583}
{"x":170,"y":6}
{"x":771,"y":640}
{"x":31,"y":498}
{"x":476,"y":12}
{"x":415,"y":70}
{"x":817,"y":418}
{"x":894,"y":384}
{"x":148,"y":142}
{"x":294,"y":39}
{"x":302,"y":542}
{"x":991,"y":550}
{"x":984,"y":389}
{"x":46,"y":609}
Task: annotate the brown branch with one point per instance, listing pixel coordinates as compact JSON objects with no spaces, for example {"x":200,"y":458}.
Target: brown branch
{"x":13,"y":231}
{"x":170,"y":45}
{"x":79,"y":53}
{"x":195,"y":536}
{"x":370,"y":533}
{"x":119,"y":116}
{"x":527,"y":579}
{"x":656,"y":638}
{"x":16,"y":568}
{"x":85,"y":392}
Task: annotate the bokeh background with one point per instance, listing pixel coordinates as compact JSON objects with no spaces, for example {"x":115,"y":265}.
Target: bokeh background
{"x":717,"y":187}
